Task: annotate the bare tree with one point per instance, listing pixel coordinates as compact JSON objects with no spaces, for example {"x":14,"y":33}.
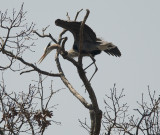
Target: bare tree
{"x":95,"y":112}
{"x":19,"y":110}
{"x":117,"y":119}
{"x":13,"y":47}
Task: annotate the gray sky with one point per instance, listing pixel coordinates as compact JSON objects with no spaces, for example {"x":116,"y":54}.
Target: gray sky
{"x":134,"y":26}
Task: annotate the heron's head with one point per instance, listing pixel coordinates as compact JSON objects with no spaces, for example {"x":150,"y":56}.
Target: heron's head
{"x":47,"y":50}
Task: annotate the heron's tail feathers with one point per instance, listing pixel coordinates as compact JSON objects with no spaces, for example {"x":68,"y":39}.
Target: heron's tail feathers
{"x":109,"y":48}
{"x":113,"y":50}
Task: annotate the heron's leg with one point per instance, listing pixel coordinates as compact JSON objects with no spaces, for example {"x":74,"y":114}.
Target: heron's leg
{"x":89,"y":65}
{"x":96,"y":68}
{"x":92,"y":62}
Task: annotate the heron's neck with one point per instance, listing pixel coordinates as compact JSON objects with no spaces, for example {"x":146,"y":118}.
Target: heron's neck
{"x":72,"y":53}
{"x":54,"y":46}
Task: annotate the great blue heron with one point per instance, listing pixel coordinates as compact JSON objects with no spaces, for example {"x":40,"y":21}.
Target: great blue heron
{"x":91,"y":44}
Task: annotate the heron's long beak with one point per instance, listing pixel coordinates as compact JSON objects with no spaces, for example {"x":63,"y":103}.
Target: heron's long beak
{"x":42,"y":58}
{"x":47,"y":51}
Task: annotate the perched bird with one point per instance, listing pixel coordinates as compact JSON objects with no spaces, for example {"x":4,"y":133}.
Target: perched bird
{"x":91,"y":44}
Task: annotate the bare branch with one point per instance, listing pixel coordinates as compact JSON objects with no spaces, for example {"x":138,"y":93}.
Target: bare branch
{"x":30,"y":64}
{"x":81,"y":37}
{"x":69,"y":86}
{"x":43,"y":36}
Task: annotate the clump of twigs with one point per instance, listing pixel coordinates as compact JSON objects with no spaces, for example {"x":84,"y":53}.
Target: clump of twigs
{"x":21,"y":113}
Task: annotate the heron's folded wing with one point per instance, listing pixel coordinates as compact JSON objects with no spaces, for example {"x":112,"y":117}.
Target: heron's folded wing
{"x":74,"y":27}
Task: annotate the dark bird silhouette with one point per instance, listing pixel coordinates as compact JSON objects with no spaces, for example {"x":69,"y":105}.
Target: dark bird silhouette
{"x":91,"y":44}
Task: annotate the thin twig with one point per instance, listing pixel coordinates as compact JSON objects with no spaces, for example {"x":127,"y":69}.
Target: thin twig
{"x":77,"y":15}
{"x":26,"y":71}
{"x":68,"y":16}
{"x":43,"y":36}
{"x":44,"y":29}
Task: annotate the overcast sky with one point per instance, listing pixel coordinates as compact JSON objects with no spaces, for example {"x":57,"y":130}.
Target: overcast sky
{"x":133,"y":26}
